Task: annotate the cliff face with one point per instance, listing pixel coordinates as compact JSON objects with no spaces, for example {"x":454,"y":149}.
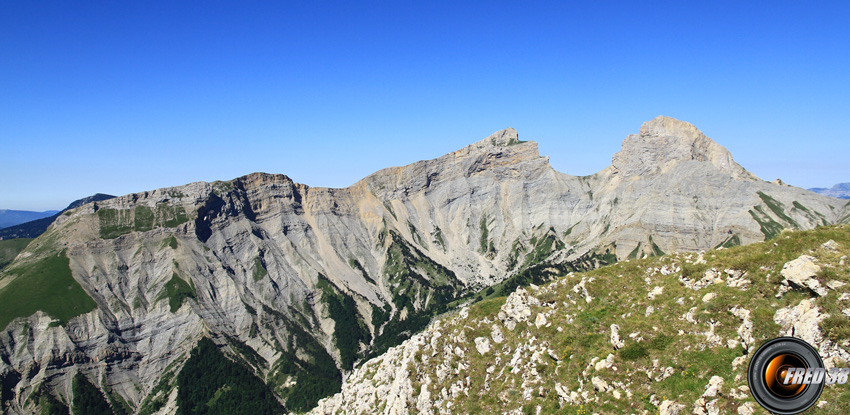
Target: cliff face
{"x":292,"y":279}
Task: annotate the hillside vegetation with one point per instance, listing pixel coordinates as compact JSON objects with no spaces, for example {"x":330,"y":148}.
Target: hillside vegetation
{"x":669,"y":334}
{"x":9,"y":249}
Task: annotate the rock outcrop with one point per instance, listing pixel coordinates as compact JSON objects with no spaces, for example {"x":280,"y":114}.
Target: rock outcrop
{"x":665,"y":365}
{"x":802,"y":273}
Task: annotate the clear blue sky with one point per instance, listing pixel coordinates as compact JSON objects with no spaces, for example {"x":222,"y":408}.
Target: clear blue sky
{"x":119,"y":97}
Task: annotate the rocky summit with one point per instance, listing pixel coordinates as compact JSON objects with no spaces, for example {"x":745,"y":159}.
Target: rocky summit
{"x":299,"y":285}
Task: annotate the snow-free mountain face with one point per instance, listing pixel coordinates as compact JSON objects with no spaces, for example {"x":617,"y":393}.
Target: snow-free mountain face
{"x":301,"y":283}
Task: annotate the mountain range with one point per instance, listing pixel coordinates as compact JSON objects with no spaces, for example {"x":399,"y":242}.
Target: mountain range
{"x":10,"y":217}
{"x":840,"y":190}
{"x":298,"y":284}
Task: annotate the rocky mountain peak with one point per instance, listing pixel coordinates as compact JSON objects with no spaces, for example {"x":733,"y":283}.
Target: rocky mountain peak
{"x":665,"y":142}
{"x":663,"y":126}
{"x":501,"y":138}
{"x":504,"y":137}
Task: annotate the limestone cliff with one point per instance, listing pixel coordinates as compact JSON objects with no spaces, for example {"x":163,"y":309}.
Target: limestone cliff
{"x":293,"y":279}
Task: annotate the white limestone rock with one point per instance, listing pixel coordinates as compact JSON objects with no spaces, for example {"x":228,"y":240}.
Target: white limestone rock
{"x":831,"y":245}
{"x":496,"y":334}
{"x":745,"y":331}
{"x":669,"y":407}
{"x":802,"y":273}
{"x":748,"y":408}
{"x":615,"y":337}
{"x":655,"y":293}
{"x":482,"y":344}
{"x":715,"y":384}
{"x":540,"y":320}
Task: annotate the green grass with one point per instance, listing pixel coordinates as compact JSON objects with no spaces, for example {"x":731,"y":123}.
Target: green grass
{"x":260,"y":271}
{"x":769,"y":227}
{"x":356,"y":265}
{"x":656,"y":251}
{"x":570,"y":230}
{"x":635,"y":252}
{"x":46,"y":285}
{"x":221,"y":188}
{"x":484,"y":234}
{"x":176,"y":290}
{"x":171,"y":216}
{"x":634,"y":351}
{"x":438,"y":237}
{"x":389,"y":207}
{"x":10,"y":248}
{"x":415,"y":234}
{"x":542,"y":247}
{"x":143,"y":220}
{"x":777,"y":208}
{"x":579,"y":331}
{"x":171,"y":242}
{"x":116,"y":222}
{"x":729,"y":242}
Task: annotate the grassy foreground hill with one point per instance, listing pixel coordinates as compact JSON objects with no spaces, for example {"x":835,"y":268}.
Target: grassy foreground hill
{"x":669,"y":334}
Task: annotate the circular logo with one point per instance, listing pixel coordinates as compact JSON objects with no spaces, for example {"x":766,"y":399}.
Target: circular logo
{"x":786,"y":375}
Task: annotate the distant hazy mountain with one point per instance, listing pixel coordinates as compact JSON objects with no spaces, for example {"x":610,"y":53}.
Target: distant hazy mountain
{"x":841,"y":191}
{"x":34,"y":228}
{"x":14,"y":217}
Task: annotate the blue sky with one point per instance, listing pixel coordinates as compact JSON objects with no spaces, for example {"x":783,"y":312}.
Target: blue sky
{"x":120,"y":97}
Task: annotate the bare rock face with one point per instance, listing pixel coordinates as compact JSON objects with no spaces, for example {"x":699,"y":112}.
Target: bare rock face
{"x":670,"y":408}
{"x":801,"y":273}
{"x":615,"y":337}
{"x":666,"y":141}
{"x":273,"y":268}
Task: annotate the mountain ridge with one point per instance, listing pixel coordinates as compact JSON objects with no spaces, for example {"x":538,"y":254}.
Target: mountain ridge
{"x":34,"y":228}
{"x":840,"y":190}
{"x":12,"y":217}
{"x":294,"y":279}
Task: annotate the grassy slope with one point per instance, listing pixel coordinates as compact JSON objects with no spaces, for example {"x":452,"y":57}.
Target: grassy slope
{"x":46,"y":285}
{"x":579,"y":332}
{"x":10,"y":248}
